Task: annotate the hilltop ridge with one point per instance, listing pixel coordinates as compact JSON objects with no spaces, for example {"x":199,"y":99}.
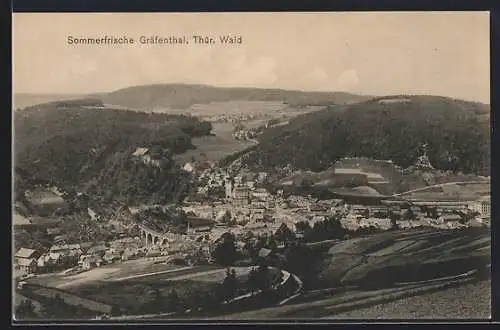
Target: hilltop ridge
{"x":456,"y":132}
{"x":182,"y":96}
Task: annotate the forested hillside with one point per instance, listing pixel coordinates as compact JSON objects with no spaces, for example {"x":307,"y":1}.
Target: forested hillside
{"x":72,"y":142}
{"x":392,"y":128}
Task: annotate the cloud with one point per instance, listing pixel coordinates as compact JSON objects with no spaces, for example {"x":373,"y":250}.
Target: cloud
{"x":319,"y":75}
{"x":347,"y":79}
{"x":245,"y":71}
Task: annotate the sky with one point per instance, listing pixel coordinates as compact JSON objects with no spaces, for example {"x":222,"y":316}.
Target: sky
{"x":374,"y":53}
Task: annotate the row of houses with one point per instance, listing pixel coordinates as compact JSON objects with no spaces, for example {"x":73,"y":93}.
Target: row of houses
{"x":64,"y":256}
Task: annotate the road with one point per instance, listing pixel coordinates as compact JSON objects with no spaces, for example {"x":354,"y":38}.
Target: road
{"x":150,"y":274}
{"x":381,"y":269}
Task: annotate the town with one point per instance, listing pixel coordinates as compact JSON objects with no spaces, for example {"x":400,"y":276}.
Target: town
{"x":244,"y":204}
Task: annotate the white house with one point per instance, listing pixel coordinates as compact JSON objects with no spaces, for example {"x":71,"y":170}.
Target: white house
{"x":482,"y":205}
{"x":188,"y":167}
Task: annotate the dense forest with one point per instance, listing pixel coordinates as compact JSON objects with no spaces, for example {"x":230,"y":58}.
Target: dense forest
{"x":127,"y":181}
{"x":456,"y":132}
{"x":70,"y":143}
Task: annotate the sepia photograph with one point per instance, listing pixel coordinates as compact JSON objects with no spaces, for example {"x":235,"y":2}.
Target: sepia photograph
{"x":278,"y":166}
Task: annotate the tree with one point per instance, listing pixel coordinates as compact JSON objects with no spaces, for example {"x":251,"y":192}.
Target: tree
{"x":263,"y":278}
{"x":394,"y":219}
{"x":228,"y":219}
{"x":271,"y":243}
{"x":284,"y":234}
{"x":302,"y":227}
{"x":25,"y":310}
{"x":194,"y":299}
{"x":225,"y":252}
{"x":300,"y":260}
{"x":252,"y":281}
{"x":409,"y":214}
{"x":173,"y":301}
{"x":229,"y":285}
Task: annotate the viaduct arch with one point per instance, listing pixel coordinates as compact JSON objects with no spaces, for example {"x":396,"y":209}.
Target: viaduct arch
{"x":152,"y":237}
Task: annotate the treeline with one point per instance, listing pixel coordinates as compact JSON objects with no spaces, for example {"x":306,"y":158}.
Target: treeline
{"x":69,"y":146}
{"x":458,"y":139}
{"x":84,"y":102}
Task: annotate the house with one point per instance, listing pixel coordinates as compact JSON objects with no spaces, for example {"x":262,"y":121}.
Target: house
{"x":123,"y":215}
{"x":264,"y":253}
{"x":93,"y":215}
{"x":154,"y":252}
{"x":129,"y":253}
{"x":450,"y":217}
{"x":24,"y":253}
{"x":250,"y":184}
{"x":91,"y":262}
{"x":261,"y":194}
{"x":238,"y":179}
{"x":140,"y":152}
{"x":26,"y":266}
{"x":142,"y":155}
{"x":262,"y":177}
{"x":188,"y":167}
{"x":86,"y":245}
{"x":317,"y":208}
{"x":20,"y":220}
{"x":68,"y":250}
{"x":60,"y":239}
{"x":26,"y":260}
{"x":53,"y":231}
{"x":203,"y":229}
{"x":56,"y":191}
{"x":482,"y":205}
{"x":257,"y":217}
{"x":50,"y":259}
{"x":111,"y":256}
{"x":45,"y":203}
{"x":20,"y":208}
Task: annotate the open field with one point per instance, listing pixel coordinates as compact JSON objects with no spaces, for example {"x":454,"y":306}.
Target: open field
{"x":136,"y":294}
{"x":467,"y":301}
{"x":133,"y":296}
{"x":406,"y":256}
{"x":463,"y":191}
{"x":214,"y":148}
{"x":107,"y":272}
{"x":222,"y":144}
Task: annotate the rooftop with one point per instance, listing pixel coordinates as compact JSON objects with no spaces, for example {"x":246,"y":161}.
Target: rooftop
{"x":20,"y":220}
{"x":486,"y":198}
{"x":140,"y":152}
{"x":25,"y":253}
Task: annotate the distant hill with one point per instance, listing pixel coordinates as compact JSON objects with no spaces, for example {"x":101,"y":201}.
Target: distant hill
{"x":391,"y":128}
{"x":23,"y":100}
{"x":184,"y":95}
{"x":81,"y":143}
